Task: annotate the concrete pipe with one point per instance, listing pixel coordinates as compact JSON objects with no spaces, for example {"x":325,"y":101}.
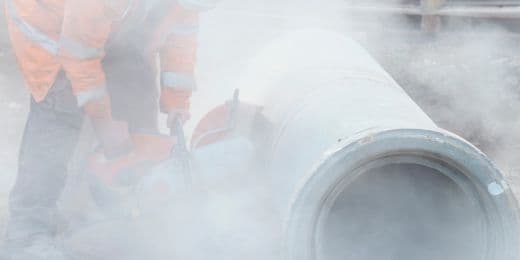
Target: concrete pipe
{"x":361,"y":172}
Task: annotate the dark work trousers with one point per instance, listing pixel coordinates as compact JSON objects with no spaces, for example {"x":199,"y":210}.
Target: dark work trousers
{"x":51,"y":134}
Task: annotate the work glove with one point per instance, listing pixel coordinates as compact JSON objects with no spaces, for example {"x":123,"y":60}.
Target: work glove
{"x":182,"y":115}
{"x":113,"y":135}
{"x":175,"y":103}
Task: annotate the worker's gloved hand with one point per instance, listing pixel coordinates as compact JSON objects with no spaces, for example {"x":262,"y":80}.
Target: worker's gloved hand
{"x":182,"y":115}
{"x":175,"y":103}
{"x":114,"y":137}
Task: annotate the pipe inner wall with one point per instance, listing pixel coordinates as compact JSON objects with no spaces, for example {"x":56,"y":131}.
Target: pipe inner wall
{"x":403,"y":211}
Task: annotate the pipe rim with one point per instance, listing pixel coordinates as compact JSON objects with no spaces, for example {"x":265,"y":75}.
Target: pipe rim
{"x":433,"y":147}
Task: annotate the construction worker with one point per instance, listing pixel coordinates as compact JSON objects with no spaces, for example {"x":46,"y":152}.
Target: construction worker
{"x":96,"y":58}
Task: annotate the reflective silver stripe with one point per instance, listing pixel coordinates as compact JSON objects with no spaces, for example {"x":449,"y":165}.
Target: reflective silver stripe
{"x":90,"y":95}
{"x":31,"y":32}
{"x":198,"y":5}
{"x":79,"y":50}
{"x":177,"y":81}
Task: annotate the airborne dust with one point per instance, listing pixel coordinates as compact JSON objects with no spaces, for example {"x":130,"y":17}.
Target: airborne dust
{"x":466,"y":79}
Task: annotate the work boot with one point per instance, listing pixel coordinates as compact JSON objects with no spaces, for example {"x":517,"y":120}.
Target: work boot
{"x":41,"y":248}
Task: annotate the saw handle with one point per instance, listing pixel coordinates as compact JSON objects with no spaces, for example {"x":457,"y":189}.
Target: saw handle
{"x":181,"y":149}
{"x":178,"y":131}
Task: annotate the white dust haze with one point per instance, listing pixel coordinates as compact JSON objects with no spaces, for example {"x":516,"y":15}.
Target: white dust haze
{"x":466,"y":78}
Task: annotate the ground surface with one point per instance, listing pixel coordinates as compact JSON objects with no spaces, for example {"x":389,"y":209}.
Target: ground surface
{"x":466,"y":80}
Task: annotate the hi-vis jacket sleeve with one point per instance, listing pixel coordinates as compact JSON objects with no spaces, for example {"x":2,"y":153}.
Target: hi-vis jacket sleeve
{"x":86,"y":28}
{"x":34,"y":28}
{"x":179,"y":35}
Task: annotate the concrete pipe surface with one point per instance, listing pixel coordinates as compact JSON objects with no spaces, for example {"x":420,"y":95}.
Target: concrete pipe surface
{"x":361,"y":172}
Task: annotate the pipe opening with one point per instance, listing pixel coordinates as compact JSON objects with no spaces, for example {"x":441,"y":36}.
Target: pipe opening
{"x":402,"y":211}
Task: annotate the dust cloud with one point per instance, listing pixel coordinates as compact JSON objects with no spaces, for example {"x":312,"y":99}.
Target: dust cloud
{"x":466,"y":78}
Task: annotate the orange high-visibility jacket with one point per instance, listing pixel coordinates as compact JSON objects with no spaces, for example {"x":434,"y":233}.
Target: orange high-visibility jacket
{"x":49,"y":36}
